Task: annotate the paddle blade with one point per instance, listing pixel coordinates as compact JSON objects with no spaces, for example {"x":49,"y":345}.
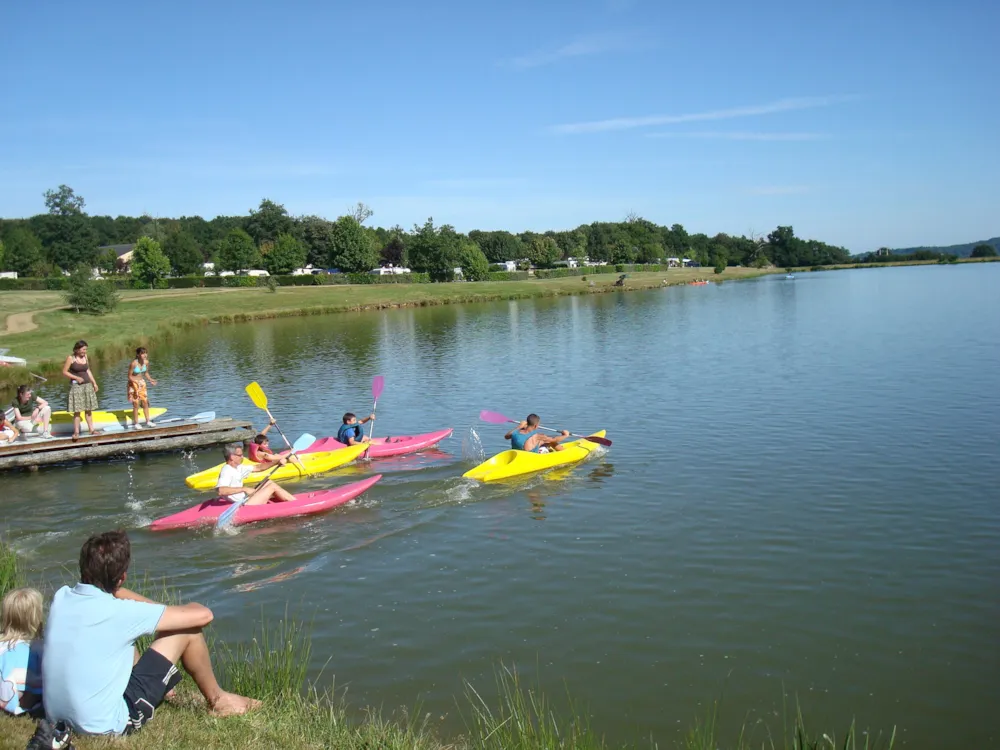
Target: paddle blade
{"x":227,"y":515}
{"x":303,"y":442}
{"x":378,"y":383}
{"x":257,"y":395}
{"x":598,"y":440}
{"x":495,"y":417}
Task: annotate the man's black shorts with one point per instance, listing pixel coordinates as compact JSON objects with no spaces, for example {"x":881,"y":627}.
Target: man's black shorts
{"x":153,"y":676}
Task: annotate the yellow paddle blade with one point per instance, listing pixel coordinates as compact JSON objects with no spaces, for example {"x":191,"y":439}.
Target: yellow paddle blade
{"x":256,"y":394}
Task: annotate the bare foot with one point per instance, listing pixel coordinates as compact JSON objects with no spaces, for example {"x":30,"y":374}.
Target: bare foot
{"x":230,"y":704}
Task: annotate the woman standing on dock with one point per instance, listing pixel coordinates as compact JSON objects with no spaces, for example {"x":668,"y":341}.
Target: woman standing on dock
{"x":82,"y":388}
{"x":136,"y":392}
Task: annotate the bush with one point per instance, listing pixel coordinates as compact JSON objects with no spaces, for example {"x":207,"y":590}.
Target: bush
{"x":240,"y":281}
{"x":506,"y":276}
{"x":56,"y":283}
{"x":185,"y":282}
{"x":89,"y":295}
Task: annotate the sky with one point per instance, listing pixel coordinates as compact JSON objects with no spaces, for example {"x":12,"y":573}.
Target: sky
{"x":861,"y":124}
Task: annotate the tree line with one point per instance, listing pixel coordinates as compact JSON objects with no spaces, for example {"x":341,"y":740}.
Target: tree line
{"x":65,"y":237}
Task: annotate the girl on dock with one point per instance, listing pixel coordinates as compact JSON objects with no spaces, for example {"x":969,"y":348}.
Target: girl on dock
{"x":82,"y":388}
{"x":136,"y":391}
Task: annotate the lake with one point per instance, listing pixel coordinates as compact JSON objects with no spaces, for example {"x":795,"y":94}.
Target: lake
{"x":801,"y":502}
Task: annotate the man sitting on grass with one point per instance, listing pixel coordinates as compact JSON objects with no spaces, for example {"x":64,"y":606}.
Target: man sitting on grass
{"x":94,"y":678}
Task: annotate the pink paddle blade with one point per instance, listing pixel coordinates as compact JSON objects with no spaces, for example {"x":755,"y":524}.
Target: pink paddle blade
{"x":378,"y":383}
{"x":495,"y":417}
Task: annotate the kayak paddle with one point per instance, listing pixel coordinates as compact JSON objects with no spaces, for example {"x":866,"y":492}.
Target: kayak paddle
{"x":259,"y":398}
{"x":303,"y":442}
{"x":229,"y":512}
{"x":378,"y":383}
{"x":498,"y":418}
{"x":204,"y":416}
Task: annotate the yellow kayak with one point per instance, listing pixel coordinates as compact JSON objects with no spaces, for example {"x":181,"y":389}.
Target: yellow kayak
{"x":315,"y":463}
{"x":109,"y":417}
{"x":512,"y":463}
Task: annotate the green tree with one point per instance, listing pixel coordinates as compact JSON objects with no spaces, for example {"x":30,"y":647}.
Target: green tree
{"x":268,"y":221}
{"x":237,"y":252}
{"x":353,"y":250}
{"x":64,"y":202}
{"x":361,"y":213}
{"x":107,"y":261}
{"x":473,"y":262}
{"x":68,"y":240}
{"x":185,"y":257}
{"x":316,"y":235}
{"x":394,"y":252}
{"x":542,"y":251}
{"x":3,"y":254}
{"x":435,"y":251}
{"x":285,"y":255}
{"x":149,"y":264}
{"x":87,"y":294}
{"x":23,"y":251}
{"x":983,"y":251}
{"x":498,"y":246}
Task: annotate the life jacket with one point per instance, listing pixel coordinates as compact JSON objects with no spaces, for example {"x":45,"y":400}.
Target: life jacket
{"x":344,"y":433}
{"x":518,"y":439}
{"x":252,"y":452}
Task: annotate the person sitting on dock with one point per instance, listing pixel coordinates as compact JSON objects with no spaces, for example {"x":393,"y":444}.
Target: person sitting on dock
{"x":350,"y":432}
{"x":232,"y":474}
{"x":525,"y":437}
{"x":27,"y":417}
{"x":93,"y":677}
{"x":8,"y":430}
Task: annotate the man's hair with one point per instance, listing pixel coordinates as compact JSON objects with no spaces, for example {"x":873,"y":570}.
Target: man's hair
{"x":260,"y":439}
{"x":532,"y":420}
{"x":348,"y":417}
{"x":104,"y":560}
{"x":230,"y":449}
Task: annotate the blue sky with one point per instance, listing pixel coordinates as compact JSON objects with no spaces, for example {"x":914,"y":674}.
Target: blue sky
{"x":859,"y":123}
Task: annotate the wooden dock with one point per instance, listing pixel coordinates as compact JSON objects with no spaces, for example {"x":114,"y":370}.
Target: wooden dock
{"x":109,"y":444}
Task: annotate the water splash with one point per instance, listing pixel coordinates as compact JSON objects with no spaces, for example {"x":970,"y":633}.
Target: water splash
{"x":472,"y":447}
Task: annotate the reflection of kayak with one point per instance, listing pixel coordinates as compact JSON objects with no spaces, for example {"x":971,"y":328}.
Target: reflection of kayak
{"x":315,"y":463}
{"x":303,"y":505}
{"x":387,"y":446}
{"x":512,"y":463}
{"x":697,"y":283}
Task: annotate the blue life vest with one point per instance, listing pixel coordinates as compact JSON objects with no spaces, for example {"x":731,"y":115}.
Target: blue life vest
{"x":344,"y":433}
{"x":518,"y":439}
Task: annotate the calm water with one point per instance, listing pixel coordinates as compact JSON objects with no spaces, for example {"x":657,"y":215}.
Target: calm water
{"x":802,"y":496}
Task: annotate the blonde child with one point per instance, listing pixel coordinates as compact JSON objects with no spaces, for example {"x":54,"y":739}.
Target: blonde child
{"x":20,"y":671}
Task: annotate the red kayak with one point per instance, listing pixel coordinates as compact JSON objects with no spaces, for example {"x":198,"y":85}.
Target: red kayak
{"x":387,"y":446}
{"x":303,"y":505}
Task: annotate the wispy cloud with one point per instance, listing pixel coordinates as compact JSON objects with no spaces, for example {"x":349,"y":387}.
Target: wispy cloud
{"x":779,"y":190}
{"x":582,"y":46}
{"x":742,"y":136}
{"x":628,"y":123}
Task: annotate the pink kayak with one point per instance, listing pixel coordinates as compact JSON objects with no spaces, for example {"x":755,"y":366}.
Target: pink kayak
{"x":387,"y":446}
{"x":303,"y":505}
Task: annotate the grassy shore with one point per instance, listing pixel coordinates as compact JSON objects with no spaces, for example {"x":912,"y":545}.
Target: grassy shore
{"x":298,"y":715}
{"x":145,"y":316}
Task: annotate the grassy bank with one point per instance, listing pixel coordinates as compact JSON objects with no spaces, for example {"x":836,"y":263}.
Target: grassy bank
{"x":146,"y":316}
{"x":299,"y":715}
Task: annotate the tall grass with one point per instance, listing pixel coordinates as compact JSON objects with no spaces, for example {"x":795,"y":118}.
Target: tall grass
{"x":11,"y":575}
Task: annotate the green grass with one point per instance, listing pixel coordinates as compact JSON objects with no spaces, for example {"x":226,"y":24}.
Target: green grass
{"x":11,"y":574}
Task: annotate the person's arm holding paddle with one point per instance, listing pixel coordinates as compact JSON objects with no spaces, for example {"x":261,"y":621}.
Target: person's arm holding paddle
{"x":510,"y":434}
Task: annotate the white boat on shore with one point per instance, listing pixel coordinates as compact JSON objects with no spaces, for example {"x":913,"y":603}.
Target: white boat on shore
{"x":8,"y":361}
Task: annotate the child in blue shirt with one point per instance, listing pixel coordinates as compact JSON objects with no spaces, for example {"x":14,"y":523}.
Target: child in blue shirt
{"x":20,"y":668}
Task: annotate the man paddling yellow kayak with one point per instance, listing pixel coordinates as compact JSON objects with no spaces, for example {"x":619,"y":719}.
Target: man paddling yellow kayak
{"x":526,"y":437}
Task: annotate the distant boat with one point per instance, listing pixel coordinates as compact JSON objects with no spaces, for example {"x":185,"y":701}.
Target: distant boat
{"x":6,"y":361}
{"x":789,"y":276}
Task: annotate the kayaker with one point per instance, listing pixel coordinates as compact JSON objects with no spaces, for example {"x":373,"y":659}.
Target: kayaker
{"x":93,"y":676}
{"x":526,"y":437}
{"x":350,"y":432}
{"x":136,"y":388}
{"x":234,"y":471}
{"x":27,"y":417}
{"x":260,"y":448}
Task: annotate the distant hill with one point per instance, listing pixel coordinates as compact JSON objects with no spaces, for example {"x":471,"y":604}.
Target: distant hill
{"x":962,"y":251}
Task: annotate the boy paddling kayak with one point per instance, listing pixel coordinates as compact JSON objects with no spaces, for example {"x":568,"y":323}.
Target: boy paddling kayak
{"x":526,"y":437}
{"x":350,"y":432}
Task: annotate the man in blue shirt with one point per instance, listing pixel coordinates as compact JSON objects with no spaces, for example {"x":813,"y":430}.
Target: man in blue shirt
{"x":525,"y":437}
{"x":93,"y":676}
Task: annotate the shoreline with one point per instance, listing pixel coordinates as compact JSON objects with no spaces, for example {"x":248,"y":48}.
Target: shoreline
{"x":298,"y":713}
{"x":42,"y":331}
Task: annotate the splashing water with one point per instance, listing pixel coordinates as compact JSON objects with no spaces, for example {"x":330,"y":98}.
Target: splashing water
{"x":472,"y":447}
